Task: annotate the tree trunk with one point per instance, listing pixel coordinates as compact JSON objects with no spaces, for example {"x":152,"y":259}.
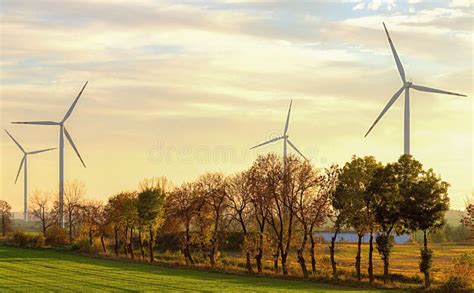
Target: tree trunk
{"x":370,"y":269}
{"x":301,"y":259}
{"x":43,"y":223}
{"x":103,"y":243}
{"x":332,"y":250}
{"x":427,"y":272}
{"x":357,"y":263}
{"x":276,"y":256}
{"x":3,"y":224}
{"x":150,"y":244}
{"x":90,"y":236}
{"x":116,"y":247}
{"x":130,"y":246}
{"x":284,"y":267}
{"x":259,"y":256}
{"x":187,"y":249}
{"x":248,"y":265}
{"x":386,"y":263}
{"x":140,"y":243}
{"x":312,"y":253}
{"x":125,"y":244}
{"x":70,"y":227}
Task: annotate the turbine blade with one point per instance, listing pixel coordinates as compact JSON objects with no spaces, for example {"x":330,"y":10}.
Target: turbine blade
{"x":267,"y":142}
{"x":14,"y":140}
{"x":395,"y":55}
{"x":389,"y":104}
{"x":287,"y":119}
{"x":74,"y":103}
{"x":69,"y":138}
{"x":38,"y":122}
{"x":40,"y":151}
{"x":432,"y":90}
{"x":296,"y":149}
{"x":19,"y":169}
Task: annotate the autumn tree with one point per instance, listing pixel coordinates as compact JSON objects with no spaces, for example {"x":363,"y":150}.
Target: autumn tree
{"x":91,"y":214}
{"x":468,"y":219}
{"x":211,"y":189}
{"x":424,"y":209}
{"x":150,"y":203}
{"x":180,"y":210}
{"x":259,"y":198}
{"x":115,"y":211}
{"x":320,"y":207}
{"x":5,"y":213}
{"x":239,"y":204}
{"x":40,"y":206}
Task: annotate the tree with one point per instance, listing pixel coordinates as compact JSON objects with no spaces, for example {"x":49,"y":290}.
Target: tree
{"x":468,"y":219}
{"x":41,"y":209}
{"x":306,"y":182}
{"x":74,"y":192}
{"x":92,"y":212}
{"x":150,"y":203}
{"x":260,"y":198}
{"x":239,"y":202}
{"x":424,"y":209}
{"x":5,"y":213}
{"x":181,"y":209}
{"x":354,"y":181}
{"x":115,"y":212}
{"x":211,"y":189}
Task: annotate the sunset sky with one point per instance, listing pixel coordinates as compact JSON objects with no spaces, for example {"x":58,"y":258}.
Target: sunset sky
{"x":180,"y":89}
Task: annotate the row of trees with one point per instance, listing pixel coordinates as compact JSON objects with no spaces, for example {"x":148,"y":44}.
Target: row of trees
{"x":276,"y":205}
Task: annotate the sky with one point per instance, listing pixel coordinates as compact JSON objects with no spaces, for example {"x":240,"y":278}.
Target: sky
{"x":177,"y":89}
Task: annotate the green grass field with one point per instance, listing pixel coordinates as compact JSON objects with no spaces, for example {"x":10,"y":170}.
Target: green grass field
{"x":29,"y":270}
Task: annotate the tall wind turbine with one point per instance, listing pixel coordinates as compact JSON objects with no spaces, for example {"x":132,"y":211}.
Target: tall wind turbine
{"x":285,"y":139}
{"x":62,"y":131}
{"x":406,"y":86}
{"x":24,"y":162}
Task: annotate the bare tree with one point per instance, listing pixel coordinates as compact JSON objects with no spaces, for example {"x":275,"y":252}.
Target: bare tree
{"x":41,"y":208}
{"x":74,"y":192}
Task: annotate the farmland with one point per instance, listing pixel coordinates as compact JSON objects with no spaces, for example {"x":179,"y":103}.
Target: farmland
{"x":23,"y":270}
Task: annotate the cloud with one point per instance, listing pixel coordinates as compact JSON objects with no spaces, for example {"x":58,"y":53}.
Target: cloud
{"x":359,"y":6}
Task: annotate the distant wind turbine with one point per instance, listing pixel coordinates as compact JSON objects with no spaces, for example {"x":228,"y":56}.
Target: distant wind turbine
{"x":62,"y":131}
{"x":24,"y":162}
{"x":405,"y":87}
{"x":285,"y":139}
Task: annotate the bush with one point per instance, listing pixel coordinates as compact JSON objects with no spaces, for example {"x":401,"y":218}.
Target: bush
{"x":22,"y":239}
{"x":83,"y":246}
{"x":462,"y":274}
{"x":56,"y":236}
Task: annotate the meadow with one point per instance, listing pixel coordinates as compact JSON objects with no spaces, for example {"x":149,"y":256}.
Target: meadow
{"x":27,"y":270}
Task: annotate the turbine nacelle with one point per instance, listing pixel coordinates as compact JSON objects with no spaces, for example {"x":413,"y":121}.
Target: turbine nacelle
{"x":408,"y":84}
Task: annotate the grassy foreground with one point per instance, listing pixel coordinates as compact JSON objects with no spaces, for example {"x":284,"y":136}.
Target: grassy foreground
{"x":29,"y":270}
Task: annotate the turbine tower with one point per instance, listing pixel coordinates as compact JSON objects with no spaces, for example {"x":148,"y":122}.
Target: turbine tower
{"x":24,"y":162}
{"x":62,"y":131}
{"x":406,"y":86}
{"x":285,"y":139}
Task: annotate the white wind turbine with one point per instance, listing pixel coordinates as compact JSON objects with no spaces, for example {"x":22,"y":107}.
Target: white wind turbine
{"x":24,"y":162}
{"x":285,"y":139}
{"x":62,"y":131}
{"x":405,"y":87}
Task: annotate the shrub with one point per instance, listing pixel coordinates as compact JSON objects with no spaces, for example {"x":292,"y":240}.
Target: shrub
{"x":462,"y":274}
{"x":56,"y":236}
{"x":20,"y":239}
{"x":83,"y":246}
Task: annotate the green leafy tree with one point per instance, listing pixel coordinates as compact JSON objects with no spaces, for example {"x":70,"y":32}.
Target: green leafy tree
{"x":150,"y":210}
{"x":354,"y":180}
{"x":424,"y":209}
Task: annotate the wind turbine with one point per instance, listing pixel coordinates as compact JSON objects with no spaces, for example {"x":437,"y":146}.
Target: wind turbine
{"x":285,"y":139}
{"x":24,"y":162}
{"x":62,"y":131}
{"x":406,"y":86}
